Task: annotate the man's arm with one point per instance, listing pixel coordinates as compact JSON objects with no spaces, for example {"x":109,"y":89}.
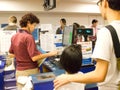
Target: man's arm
{"x":41,"y":56}
{"x":11,"y":55}
{"x":98,"y":75}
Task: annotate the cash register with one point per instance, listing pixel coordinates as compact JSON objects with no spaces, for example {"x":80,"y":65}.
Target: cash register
{"x":53,"y":63}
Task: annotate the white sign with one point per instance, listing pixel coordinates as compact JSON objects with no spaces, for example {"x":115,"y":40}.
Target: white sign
{"x":5,"y":40}
{"x":46,"y":27}
{"x":47,"y":42}
{"x":86,"y":49}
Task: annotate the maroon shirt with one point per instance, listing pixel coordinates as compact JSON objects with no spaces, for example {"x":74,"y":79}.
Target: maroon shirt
{"x":24,"y":48}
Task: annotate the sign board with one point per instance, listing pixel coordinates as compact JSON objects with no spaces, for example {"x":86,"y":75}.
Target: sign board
{"x":86,"y":49}
{"x":5,"y":40}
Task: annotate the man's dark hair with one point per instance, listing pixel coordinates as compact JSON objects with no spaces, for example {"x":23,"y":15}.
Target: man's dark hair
{"x":82,"y":27}
{"x":94,"y":21}
{"x":76,"y":25}
{"x":114,"y":4}
{"x":63,"y":21}
{"x":71,"y":59}
{"x":29,"y":17}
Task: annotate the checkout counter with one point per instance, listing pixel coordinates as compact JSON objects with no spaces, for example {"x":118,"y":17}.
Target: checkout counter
{"x":53,"y":68}
{"x":44,"y":80}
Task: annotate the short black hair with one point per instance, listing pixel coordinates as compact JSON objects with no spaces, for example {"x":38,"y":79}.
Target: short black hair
{"x":28,"y":17}
{"x":71,"y":59}
{"x":114,"y":4}
{"x":94,"y":21}
{"x":82,"y":27}
{"x":76,"y":25}
{"x":63,"y":21}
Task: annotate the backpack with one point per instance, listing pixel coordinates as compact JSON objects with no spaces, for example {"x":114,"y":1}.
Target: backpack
{"x":116,"y":45}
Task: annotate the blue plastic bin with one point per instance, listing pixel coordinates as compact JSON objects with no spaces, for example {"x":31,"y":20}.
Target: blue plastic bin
{"x":44,"y":86}
{"x":44,"y":83}
{"x":2,"y":65}
{"x":9,"y":80}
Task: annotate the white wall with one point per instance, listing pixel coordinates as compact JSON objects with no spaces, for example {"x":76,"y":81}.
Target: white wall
{"x":53,"y":18}
{"x":72,"y":11}
{"x":37,"y":5}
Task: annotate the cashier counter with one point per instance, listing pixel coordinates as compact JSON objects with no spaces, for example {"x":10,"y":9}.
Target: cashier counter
{"x":43,"y":81}
{"x":53,"y":67}
{"x":53,"y":64}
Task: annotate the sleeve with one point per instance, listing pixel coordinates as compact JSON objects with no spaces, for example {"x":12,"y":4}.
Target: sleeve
{"x":31,"y":47}
{"x":11,"y":48}
{"x":104,"y":47}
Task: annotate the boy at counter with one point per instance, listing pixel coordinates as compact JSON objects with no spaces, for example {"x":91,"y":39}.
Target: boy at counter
{"x":71,"y":61}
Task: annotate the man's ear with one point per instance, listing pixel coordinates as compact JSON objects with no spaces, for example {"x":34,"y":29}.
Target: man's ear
{"x":28,"y":23}
{"x":105,"y":3}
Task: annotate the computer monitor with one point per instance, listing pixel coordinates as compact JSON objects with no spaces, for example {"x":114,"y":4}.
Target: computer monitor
{"x":36,"y":34}
{"x":86,"y":31}
{"x":67,"y":35}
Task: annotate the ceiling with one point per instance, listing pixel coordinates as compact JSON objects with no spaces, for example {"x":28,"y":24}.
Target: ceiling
{"x":82,"y":1}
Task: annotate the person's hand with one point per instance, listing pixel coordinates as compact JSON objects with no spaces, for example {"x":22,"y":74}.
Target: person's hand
{"x":11,"y":56}
{"x":61,"y":80}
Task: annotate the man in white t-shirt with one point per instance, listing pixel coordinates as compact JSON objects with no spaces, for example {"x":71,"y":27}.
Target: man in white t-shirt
{"x":106,"y":73}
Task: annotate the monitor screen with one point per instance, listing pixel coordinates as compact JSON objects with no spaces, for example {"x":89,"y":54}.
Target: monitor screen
{"x":86,"y":31}
{"x":35,"y":34}
{"x":67,"y":35}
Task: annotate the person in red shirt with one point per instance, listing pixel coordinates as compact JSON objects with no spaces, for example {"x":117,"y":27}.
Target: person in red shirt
{"x":24,"y":49}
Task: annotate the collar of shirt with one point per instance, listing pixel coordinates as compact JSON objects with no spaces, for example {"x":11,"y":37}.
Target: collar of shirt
{"x":24,"y":31}
{"x":11,"y":24}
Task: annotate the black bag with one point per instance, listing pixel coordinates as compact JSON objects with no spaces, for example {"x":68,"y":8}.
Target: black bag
{"x":116,"y":44}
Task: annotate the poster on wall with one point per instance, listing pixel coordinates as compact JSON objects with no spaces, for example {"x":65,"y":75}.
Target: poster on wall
{"x":86,"y":49}
{"x":86,"y":52}
{"x":5,"y":40}
{"x":46,"y":27}
{"x":47,"y":42}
